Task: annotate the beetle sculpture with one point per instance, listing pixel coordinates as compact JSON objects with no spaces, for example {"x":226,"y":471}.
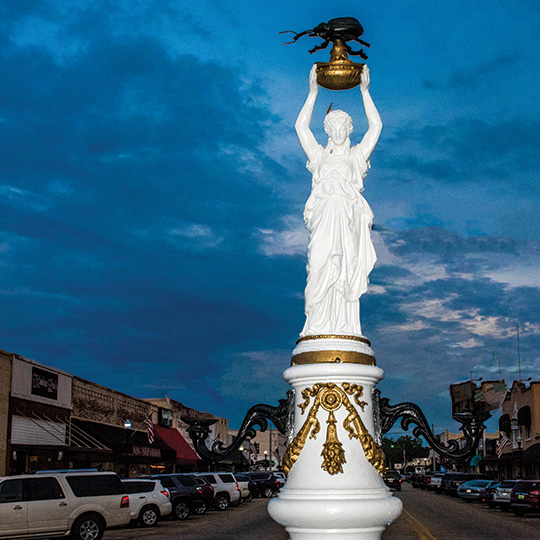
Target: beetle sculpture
{"x":342,"y":28}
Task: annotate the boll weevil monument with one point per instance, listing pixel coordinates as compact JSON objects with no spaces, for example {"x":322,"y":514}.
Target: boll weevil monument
{"x":334,"y":416}
{"x":334,"y":488}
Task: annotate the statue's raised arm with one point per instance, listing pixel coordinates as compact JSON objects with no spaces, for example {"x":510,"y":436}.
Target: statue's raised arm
{"x":374,"y":120}
{"x":305,"y":136}
{"x":340,"y":251}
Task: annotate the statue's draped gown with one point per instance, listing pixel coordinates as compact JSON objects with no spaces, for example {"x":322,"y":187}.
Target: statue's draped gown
{"x":340,"y":252}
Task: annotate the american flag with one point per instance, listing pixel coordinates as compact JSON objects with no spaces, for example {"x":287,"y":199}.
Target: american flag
{"x":503,"y":441}
{"x":149,"y":429}
{"x":253,"y":453}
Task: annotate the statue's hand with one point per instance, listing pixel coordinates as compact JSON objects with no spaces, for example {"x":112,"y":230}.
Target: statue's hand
{"x":364,"y":78}
{"x":313,"y":86}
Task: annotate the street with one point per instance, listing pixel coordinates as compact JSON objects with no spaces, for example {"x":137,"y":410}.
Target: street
{"x":249,"y":521}
{"x":426,"y":516}
{"x":429,"y":516}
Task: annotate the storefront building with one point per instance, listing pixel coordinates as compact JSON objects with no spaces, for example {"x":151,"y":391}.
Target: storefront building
{"x":51,"y":419}
{"x":520,"y":424}
{"x":39,"y":432}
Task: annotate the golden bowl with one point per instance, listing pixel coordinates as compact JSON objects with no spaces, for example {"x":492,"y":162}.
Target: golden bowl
{"x":341,"y":75}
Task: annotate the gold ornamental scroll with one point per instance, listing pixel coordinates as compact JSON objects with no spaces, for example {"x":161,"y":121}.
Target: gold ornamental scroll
{"x":331,"y":398}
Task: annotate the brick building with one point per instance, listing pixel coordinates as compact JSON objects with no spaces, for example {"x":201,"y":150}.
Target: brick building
{"x":51,"y":419}
{"x":520,"y":424}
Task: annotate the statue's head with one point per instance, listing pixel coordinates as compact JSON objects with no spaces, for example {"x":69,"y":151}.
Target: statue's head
{"x":338,"y":126}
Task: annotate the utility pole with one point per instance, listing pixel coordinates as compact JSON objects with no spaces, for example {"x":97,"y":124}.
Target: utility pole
{"x":519,"y":357}
{"x":270,"y":445}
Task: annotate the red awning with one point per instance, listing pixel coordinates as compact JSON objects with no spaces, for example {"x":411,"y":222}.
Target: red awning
{"x":185,"y":455}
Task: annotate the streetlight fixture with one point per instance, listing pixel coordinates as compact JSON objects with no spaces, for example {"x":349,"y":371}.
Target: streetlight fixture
{"x":514,"y":423}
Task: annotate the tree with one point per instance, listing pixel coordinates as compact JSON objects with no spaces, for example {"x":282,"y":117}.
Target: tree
{"x":394,"y":449}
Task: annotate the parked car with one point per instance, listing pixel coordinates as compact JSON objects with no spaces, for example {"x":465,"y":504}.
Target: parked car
{"x":282,"y":479}
{"x":435,"y":482}
{"x":393,"y":480}
{"x":226,"y":488}
{"x":208,"y":494}
{"x":457,"y":479}
{"x":78,"y":503}
{"x":474,"y":490}
{"x":426,"y":479}
{"x":525,"y":497}
{"x":149,"y":501}
{"x":246,"y":490}
{"x":266,"y":484}
{"x":186,"y":494}
{"x":416,"y":480}
{"x":244,"y":479}
{"x":501,"y":495}
{"x":447,"y":482}
{"x":487,"y":497}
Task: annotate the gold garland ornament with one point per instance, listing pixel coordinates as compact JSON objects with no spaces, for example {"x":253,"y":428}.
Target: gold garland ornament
{"x":331,"y":398}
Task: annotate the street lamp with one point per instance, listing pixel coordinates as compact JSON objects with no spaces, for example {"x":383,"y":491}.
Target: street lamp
{"x":265,"y":460}
{"x":127,"y":427}
{"x":514,"y":423}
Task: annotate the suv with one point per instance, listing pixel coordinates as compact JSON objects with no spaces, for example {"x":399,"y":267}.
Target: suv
{"x":226,"y":488}
{"x":435,"y":482}
{"x":266,"y":484}
{"x":525,"y":497}
{"x":148,"y":501}
{"x":393,"y":480}
{"x":207,"y":492}
{"x":186,"y":494}
{"x":501,"y":495}
{"x":80,"y":503}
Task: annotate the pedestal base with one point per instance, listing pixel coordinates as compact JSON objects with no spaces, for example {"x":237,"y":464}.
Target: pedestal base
{"x":333,"y":490}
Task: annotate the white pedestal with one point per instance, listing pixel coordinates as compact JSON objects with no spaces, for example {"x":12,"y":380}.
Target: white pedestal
{"x":353,"y":504}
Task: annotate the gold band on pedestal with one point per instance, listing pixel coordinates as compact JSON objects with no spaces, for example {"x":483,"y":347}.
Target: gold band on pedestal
{"x":335,"y":336}
{"x":333,"y":357}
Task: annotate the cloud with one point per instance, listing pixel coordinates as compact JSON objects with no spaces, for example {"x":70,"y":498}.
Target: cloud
{"x":292,"y":239}
{"x":249,"y":376}
{"x":471,"y":78}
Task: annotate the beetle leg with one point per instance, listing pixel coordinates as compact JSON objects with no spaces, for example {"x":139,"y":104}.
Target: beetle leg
{"x":364,"y":43}
{"x":360,"y":53}
{"x":320,"y":47}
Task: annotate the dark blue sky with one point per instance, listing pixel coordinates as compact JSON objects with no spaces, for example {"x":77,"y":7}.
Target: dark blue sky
{"x":152,"y":190}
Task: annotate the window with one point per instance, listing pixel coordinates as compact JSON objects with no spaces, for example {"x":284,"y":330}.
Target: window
{"x":226,"y":477}
{"x":211,"y":478}
{"x":186,"y":480}
{"x":42,"y":489}
{"x":167,"y":481}
{"x":524,"y":420}
{"x":92,"y":485}
{"x":139,"y":487}
{"x":11,"y":491}
{"x":504,"y":424}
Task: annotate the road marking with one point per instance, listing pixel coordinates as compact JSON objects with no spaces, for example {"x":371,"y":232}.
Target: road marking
{"x":418,"y":527}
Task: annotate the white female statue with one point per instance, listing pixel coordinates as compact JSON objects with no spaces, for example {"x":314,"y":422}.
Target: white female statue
{"x":339,"y":220}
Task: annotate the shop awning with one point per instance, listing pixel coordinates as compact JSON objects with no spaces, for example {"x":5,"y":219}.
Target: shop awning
{"x":40,"y":430}
{"x":532,"y":454}
{"x":185,"y":455}
{"x":128,"y":442}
